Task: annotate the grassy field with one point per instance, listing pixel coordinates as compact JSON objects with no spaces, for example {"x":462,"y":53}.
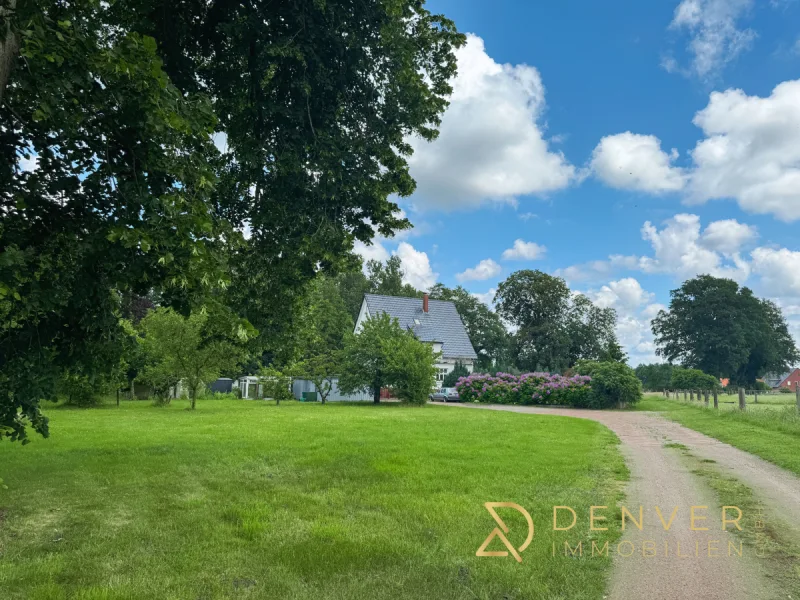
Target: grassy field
{"x":248,"y":500}
{"x":768,"y":430}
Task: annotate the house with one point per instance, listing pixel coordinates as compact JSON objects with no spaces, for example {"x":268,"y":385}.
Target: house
{"x":788,"y":380}
{"x":436,"y":322}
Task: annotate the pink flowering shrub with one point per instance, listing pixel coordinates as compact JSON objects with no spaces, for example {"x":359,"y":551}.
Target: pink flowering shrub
{"x":528,"y":388}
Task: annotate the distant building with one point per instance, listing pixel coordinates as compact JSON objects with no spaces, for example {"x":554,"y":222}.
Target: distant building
{"x":788,"y":380}
{"x":436,"y":322}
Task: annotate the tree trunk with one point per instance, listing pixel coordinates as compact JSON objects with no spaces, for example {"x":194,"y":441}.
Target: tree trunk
{"x":9,"y":47}
{"x":376,"y":395}
{"x":117,"y":397}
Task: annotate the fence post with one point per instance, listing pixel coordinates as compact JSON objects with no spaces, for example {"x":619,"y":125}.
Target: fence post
{"x":705,"y":397}
{"x":716,"y":400}
{"x":684,"y":394}
{"x":691,"y":395}
{"x":742,"y":403}
{"x":797,"y":394}
{"x":755,"y":393}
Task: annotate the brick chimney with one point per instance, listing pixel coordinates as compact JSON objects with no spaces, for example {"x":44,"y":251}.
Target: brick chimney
{"x":425,"y":303}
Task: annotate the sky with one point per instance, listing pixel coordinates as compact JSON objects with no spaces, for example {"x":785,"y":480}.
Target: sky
{"x":624,"y":146}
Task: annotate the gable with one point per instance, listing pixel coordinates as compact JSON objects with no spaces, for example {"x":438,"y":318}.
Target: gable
{"x":441,"y":323}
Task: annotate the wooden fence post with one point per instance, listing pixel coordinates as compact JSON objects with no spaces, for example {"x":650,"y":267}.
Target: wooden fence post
{"x":684,"y":394}
{"x":691,"y":395}
{"x":705,"y":397}
{"x":755,"y":392}
{"x":716,"y":400}
{"x":742,"y":403}
{"x":797,"y":395}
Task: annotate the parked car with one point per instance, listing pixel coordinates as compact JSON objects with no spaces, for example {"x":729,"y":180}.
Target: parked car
{"x":445,"y":395}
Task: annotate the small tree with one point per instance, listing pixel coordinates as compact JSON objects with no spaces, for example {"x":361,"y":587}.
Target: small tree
{"x":321,"y":369}
{"x":453,"y":376}
{"x":383,"y":354}
{"x":412,"y":368}
{"x":693,"y":379}
{"x":276,"y":383}
{"x":192,"y":350}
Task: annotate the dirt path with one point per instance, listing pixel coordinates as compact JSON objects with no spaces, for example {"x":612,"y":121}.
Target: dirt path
{"x":659,"y":477}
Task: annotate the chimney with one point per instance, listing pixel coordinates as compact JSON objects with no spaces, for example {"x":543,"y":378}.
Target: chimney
{"x":425,"y":303}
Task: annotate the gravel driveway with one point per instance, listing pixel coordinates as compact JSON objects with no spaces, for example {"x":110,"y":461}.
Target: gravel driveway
{"x":660,"y":477}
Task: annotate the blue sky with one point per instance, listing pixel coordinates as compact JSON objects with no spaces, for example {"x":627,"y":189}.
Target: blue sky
{"x":626,"y":145}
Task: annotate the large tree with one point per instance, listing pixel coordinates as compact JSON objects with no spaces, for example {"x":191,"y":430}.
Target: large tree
{"x":116,"y":103}
{"x":555,"y":328}
{"x":714,"y":325}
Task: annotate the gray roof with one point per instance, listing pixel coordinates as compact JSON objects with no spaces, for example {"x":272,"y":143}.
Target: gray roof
{"x":441,"y":323}
{"x":775,"y":379}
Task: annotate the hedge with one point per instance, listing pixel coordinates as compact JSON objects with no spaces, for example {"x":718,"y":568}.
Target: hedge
{"x":526,"y":389}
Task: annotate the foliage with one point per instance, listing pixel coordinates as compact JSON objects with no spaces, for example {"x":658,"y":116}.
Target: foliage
{"x":277,"y":383}
{"x":117,"y":102}
{"x":381,"y":355}
{"x":529,"y":388}
{"x":693,"y":379}
{"x":193,"y":350}
{"x":762,"y":386}
{"x":78,"y":389}
{"x":411,"y":367}
{"x":321,"y":369}
{"x":613,"y":384}
{"x":459,"y":371}
{"x":721,"y":329}
{"x":485,"y":329}
{"x":555,"y":328}
{"x":655,"y":377}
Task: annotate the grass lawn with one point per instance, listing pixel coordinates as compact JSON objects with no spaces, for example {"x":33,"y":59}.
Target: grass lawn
{"x":248,"y":500}
{"x":769,"y":431}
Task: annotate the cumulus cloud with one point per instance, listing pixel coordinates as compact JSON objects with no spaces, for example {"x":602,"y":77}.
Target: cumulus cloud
{"x":751,"y":151}
{"x":374,"y":251}
{"x":636,"y":162}
{"x":485,"y":269}
{"x":779,"y":270}
{"x":524,"y":251}
{"x":491,"y":145}
{"x":416,"y":267}
{"x":715,"y":36}
{"x":678,"y":250}
{"x":728,"y":236}
{"x":625,"y":295}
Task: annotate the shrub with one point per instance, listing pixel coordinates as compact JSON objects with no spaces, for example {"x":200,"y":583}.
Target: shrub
{"x":451,"y":379}
{"x":526,"y":389}
{"x":410,"y":366}
{"x":613,"y":384}
{"x":81,"y":390}
{"x":693,"y":379}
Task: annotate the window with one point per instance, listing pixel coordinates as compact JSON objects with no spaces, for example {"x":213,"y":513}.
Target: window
{"x":441,"y":374}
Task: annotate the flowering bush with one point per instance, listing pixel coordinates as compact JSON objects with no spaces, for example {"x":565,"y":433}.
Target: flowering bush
{"x":529,"y":388}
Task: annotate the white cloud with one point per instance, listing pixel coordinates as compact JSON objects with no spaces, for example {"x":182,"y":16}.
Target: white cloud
{"x":220,"y":140}
{"x":375,"y":251}
{"x":528,"y":216}
{"x":636,"y":162}
{"x":416,"y":266}
{"x":678,"y":251}
{"x":779,"y":270}
{"x":485,"y":269}
{"x":597,"y":269}
{"x":491,"y":146}
{"x":751,"y":151}
{"x":524,"y":251}
{"x":716,"y":38}
{"x":625,"y":296}
{"x":728,"y":236}
{"x":487,"y":298}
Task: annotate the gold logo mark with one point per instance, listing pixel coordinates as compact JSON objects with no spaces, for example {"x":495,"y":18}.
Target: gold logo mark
{"x":502,"y":530}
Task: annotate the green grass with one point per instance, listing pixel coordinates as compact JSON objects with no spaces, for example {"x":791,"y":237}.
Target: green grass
{"x":771,"y":433}
{"x":248,"y":500}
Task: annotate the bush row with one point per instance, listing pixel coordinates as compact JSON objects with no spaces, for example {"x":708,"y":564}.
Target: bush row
{"x":597,"y":385}
{"x":528,"y":388}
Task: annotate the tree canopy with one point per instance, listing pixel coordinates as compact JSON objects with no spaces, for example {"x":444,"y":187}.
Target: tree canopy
{"x":714,"y":325}
{"x":555,"y":328}
{"x":116,"y":103}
